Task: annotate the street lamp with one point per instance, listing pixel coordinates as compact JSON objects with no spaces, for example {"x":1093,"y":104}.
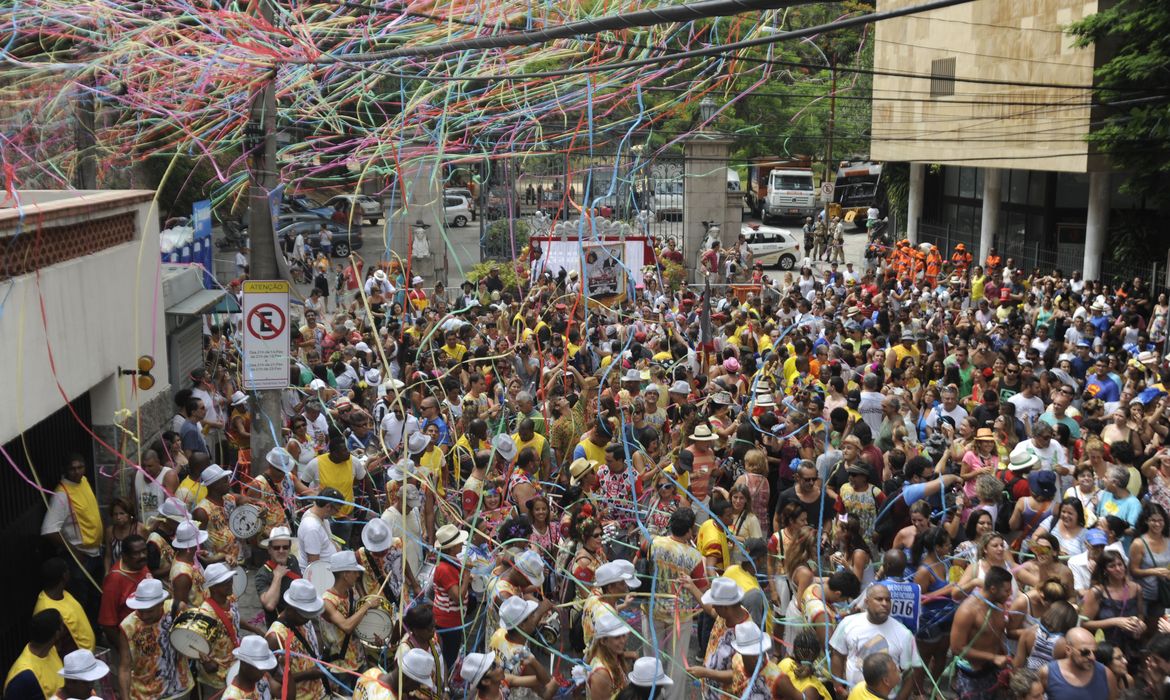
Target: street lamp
{"x":707,"y":108}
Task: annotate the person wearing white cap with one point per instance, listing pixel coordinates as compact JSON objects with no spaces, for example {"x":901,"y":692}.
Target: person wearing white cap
{"x":612,"y":583}
{"x":404,"y":517}
{"x":186,"y":575}
{"x":648,"y":674}
{"x":219,"y":604}
{"x":344,"y":610}
{"x":252,"y":681}
{"x":414,"y":674}
{"x":605,"y":655}
{"x":482,"y":676}
{"x":275,"y":488}
{"x":162,"y":528}
{"x":523,"y":579}
{"x":749,"y":662}
{"x":722,"y":601}
{"x":212,"y":513}
{"x":238,"y":429}
{"x":80,"y":671}
{"x":278,"y":572}
{"x":294,"y":633}
{"x":452,"y":581}
{"x":519,"y":619}
{"x":418,"y":628}
{"x":148,"y":668}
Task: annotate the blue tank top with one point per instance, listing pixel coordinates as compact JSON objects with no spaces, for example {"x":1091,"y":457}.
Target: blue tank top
{"x":1059,"y":688}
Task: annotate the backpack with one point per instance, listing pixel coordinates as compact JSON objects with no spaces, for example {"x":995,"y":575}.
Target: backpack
{"x":1007,"y":504}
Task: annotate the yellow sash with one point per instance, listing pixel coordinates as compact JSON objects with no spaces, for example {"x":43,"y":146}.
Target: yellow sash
{"x":339,"y":475}
{"x":83,"y":504}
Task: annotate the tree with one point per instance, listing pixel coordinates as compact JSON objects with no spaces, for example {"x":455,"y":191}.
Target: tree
{"x":1135,"y":34}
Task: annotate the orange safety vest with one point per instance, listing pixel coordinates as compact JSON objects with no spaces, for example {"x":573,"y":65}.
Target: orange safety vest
{"x":933,"y":265}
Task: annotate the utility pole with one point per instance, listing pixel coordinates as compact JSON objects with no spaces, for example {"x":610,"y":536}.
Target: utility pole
{"x":85,"y":174}
{"x":266,"y":410}
{"x":829,"y":169}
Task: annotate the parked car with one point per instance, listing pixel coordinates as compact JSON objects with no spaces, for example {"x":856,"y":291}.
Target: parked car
{"x":343,"y":241}
{"x":771,"y":246}
{"x":457,"y":211}
{"x":466,"y":194}
{"x":302,"y":203}
{"x":371,"y":208}
{"x":292,"y":217}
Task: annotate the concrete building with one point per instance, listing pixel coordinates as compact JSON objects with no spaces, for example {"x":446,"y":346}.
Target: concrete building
{"x":80,"y":298}
{"x":994,"y":163}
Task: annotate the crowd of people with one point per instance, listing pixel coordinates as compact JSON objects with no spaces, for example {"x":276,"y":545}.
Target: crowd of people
{"x":843,"y":484}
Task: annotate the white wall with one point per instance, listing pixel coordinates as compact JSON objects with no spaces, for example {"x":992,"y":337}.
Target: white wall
{"x":101,"y":311}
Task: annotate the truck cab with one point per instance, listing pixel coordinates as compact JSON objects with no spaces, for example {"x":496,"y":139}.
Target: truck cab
{"x":790,"y":193}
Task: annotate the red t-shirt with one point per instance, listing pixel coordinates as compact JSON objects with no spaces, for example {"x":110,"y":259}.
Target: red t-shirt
{"x":117,"y":587}
{"x":447,"y":612}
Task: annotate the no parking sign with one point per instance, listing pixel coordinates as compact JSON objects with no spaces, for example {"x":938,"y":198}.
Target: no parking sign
{"x":266,"y":334}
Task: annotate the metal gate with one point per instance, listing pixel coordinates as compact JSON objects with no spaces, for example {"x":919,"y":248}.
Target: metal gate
{"x":45,"y":447}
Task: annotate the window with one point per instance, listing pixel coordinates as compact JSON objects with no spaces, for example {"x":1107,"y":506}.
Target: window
{"x":942,"y":77}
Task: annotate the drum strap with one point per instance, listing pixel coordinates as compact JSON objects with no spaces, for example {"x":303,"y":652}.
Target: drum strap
{"x":284,"y":506}
{"x":311,"y":652}
{"x":226,"y":621}
{"x":369,"y":563}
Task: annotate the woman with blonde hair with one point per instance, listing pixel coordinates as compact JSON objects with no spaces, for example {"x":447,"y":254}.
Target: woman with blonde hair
{"x":755,"y":479}
{"x":606,"y":657}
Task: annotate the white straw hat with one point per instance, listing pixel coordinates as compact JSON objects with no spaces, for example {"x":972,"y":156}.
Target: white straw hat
{"x":723,"y":591}
{"x":420,"y":666}
{"x":188,"y":535}
{"x":82,"y":665}
{"x":475,"y":667}
{"x":254,"y":651}
{"x":376,"y":536}
{"x":648,"y":672}
{"x":149,"y":593}
{"x":303,"y":596}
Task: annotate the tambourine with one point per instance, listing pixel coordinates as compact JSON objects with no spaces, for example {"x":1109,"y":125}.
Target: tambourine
{"x":246,"y":521}
{"x":193,"y":633}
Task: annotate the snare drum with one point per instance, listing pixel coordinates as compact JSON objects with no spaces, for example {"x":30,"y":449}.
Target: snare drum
{"x":426,"y":579}
{"x":246,"y":521}
{"x":193,"y":633}
{"x":320,"y":576}
{"x":375,"y":628}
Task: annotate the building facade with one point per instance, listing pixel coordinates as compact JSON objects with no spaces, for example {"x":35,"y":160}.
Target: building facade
{"x":990,"y":103}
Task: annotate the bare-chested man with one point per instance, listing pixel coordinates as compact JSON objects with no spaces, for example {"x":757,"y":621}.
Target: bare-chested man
{"x":977,"y":636}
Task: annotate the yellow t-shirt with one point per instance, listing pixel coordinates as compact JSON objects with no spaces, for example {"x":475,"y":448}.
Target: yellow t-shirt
{"x":192,"y":492}
{"x":44,"y":669}
{"x":339,"y":475}
{"x":711,"y":535}
{"x":432,"y":461}
{"x":75,"y":620}
{"x":593,"y":451}
{"x":456,"y":353}
{"x":572,"y":349}
{"x":788,"y":668}
{"x":860,"y":692}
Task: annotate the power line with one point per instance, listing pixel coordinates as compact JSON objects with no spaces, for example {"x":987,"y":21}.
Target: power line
{"x":356,"y":60}
{"x":661,"y":15}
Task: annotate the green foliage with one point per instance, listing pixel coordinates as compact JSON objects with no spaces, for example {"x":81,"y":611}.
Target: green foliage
{"x":1136,"y":132}
{"x":896,"y":177}
{"x":674,"y":274}
{"x":190,"y":180}
{"x":508,"y":273}
{"x":499,"y":237}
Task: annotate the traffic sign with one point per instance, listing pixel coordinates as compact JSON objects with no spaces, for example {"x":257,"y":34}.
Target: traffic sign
{"x":266,"y":334}
{"x":827,"y":190}
{"x":266,"y":321}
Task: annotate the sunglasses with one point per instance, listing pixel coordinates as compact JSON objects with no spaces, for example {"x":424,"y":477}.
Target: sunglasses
{"x":279,"y":547}
{"x":1085,"y":652}
{"x":808,"y":479}
{"x":665,"y":486}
